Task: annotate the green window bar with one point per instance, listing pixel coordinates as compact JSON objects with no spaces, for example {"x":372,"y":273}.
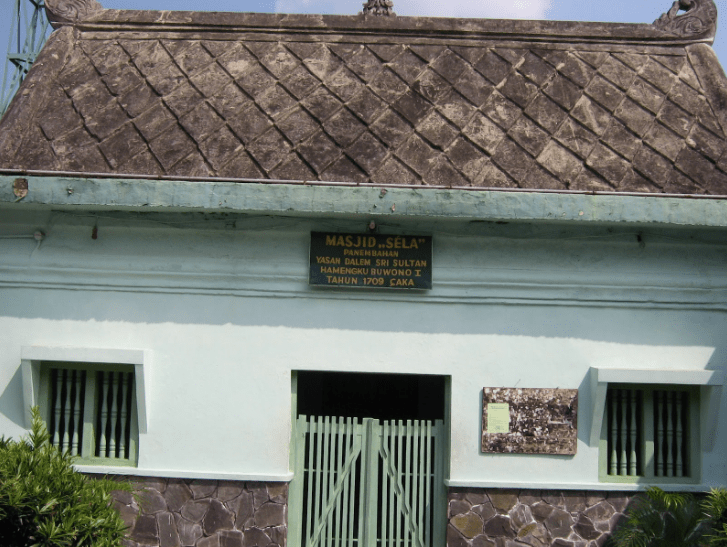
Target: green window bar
{"x":651,"y":433}
{"x":91,"y":411}
{"x":29,"y":29}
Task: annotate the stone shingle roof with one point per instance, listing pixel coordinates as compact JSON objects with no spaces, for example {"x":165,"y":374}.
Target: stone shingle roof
{"x":417,"y":101}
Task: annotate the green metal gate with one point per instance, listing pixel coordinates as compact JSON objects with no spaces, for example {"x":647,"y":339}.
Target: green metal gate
{"x":367,"y":483}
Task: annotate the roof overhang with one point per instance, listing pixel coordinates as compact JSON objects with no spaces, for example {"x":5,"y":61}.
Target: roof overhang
{"x":343,"y":200}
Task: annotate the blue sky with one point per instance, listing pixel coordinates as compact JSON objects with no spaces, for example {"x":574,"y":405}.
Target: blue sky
{"x":627,"y":11}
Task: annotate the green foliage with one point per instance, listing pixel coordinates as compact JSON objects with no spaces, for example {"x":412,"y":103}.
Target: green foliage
{"x":715,"y":508}
{"x":662,"y":519}
{"x":45,"y":503}
{"x":668,"y":519}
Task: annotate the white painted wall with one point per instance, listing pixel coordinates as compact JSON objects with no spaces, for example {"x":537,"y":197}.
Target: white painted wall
{"x":227,"y":315}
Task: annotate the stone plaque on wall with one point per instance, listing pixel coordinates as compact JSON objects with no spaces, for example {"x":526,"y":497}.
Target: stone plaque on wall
{"x":529,"y":421}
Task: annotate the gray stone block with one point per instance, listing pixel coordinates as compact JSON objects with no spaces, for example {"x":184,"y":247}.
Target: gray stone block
{"x":189,"y":532}
{"x":176,"y":495}
{"x":230,"y":538}
{"x":270,"y":514}
{"x":145,"y":530}
{"x":168,"y":536}
{"x":195,"y":510}
{"x":217,"y":518}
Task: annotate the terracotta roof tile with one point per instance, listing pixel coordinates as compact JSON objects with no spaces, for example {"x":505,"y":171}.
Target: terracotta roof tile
{"x":269,"y":149}
{"x":437,"y":130}
{"x":576,"y":137}
{"x":344,"y":127}
{"x":417,"y":154}
{"x":512,"y":159}
{"x":623,"y":141}
{"x":391,"y":128}
{"x":563,"y":92}
{"x":473,"y":86}
{"x":193,"y":164}
{"x":518,"y":89}
{"x":636,"y":118}
{"x":664,"y":141}
{"x":220,"y":148}
{"x":384,"y":107}
{"x":171,"y":145}
{"x":394,"y":170}
{"x":292,"y":169}
{"x":189,"y":56}
{"x":138,"y":100}
{"x":672,"y":62}
{"x":386,"y":52}
{"x":366,"y":105}
{"x":605,"y":93}
{"x":528,"y":135}
{"x":588,"y":181}
{"x":455,"y":108}
{"x":319,"y":151}
{"x":560,"y":162}
{"x":593,"y":58}
{"x":484,"y":133}
{"x":493,"y":67}
{"x":501,"y":110}
{"x":123,"y":145}
{"x":343,"y":170}
{"x":617,"y":72}
{"x":443,"y":174}
{"x":412,"y":106}
{"x":363,"y":63}
{"x":706,"y":143}
{"x":248,"y":123}
{"x":607,"y":164}
{"x":298,"y":126}
{"x":368,"y":152}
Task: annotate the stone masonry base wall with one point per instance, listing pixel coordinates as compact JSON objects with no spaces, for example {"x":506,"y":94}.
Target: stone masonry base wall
{"x":204,"y":513}
{"x":538,"y":518}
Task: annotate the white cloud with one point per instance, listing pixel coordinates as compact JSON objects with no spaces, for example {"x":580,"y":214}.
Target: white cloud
{"x":491,"y":9}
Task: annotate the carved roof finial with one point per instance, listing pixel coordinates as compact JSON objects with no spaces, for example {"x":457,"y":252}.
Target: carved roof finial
{"x":699,"y":19}
{"x":70,"y":11}
{"x":378,"y":7}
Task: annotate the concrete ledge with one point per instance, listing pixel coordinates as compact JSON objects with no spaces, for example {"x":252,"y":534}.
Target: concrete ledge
{"x":375,"y":202}
{"x":183,"y":474}
{"x":597,"y":486}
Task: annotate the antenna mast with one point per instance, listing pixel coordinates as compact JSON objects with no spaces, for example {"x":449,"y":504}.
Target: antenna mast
{"x":28,"y":33}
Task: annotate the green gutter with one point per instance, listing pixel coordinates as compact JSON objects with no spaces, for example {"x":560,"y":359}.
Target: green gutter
{"x":345,"y":201}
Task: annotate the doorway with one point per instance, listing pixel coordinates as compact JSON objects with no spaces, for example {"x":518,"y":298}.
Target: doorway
{"x":369,"y":453}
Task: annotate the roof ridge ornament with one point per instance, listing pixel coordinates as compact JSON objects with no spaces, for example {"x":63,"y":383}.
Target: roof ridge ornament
{"x":70,"y":11}
{"x":379,"y":7}
{"x":699,"y":19}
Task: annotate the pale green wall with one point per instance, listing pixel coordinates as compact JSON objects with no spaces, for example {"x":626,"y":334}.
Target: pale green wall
{"x":222,"y":303}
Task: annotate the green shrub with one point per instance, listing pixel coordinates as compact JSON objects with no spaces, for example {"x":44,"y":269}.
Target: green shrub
{"x":45,"y":503}
{"x":662,"y":519}
{"x":715,"y":508}
{"x":668,"y":519}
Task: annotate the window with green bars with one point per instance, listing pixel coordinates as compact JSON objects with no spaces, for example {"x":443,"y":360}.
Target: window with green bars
{"x":91,"y":411}
{"x":650,"y":434}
